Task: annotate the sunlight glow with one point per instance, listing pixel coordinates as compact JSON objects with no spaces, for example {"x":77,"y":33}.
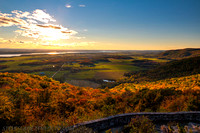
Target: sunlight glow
{"x":53,"y":53}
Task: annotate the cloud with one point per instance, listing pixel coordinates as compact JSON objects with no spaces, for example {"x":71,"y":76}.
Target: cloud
{"x":71,"y":32}
{"x":67,"y":32}
{"x":36,"y":15}
{"x":6,"y":21}
{"x":21,"y":42}
{"x":41,"y":29}
{"x":5,"y":14}
{"x":68,"y":6}
{"x":82,"y":6}
{"x":50,"y":26}
{"x":41,"y":16}
{"x":36,"y":25}
{"x":2,"y":40}
{"x":31,"y":21}
{"x":20,"y":14}
{"x":47,"y":32}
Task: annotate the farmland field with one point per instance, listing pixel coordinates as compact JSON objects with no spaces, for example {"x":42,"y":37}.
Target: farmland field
{"x":80,"y":67}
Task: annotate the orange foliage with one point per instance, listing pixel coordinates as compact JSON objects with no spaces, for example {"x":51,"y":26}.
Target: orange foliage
{"x":33,"y":100}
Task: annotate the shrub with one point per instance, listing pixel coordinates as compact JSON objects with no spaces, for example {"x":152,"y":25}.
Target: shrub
{"x":140,"y":124}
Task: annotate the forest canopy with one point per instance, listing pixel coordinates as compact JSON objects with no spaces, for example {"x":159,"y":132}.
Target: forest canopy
{"x":37,"y":100}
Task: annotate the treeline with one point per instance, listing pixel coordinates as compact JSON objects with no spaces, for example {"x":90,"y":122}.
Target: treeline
{"x":40,"y":101}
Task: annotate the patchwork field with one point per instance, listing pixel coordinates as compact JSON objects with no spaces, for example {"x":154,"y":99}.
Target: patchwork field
{"x":92,"y":67}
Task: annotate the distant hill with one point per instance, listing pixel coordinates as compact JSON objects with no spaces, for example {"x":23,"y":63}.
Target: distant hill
{"x":180,"y":53}
{"x":176,"y":68}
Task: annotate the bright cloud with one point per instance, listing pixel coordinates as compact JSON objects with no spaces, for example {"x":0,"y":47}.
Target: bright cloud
{"x":68,"y":6}
{"x":39,"y":29}
{"x":20,"y":14}
{"x":36,"y":25}
{"x":42,"y":16}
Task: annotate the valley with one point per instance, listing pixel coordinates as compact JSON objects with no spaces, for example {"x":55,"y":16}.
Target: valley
{"x":58,"y":91}
{"x":91,"y":67}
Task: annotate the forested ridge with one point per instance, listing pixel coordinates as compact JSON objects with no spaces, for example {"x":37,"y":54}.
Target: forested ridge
{"x":171,"y":69}
{"x":180,"y":53}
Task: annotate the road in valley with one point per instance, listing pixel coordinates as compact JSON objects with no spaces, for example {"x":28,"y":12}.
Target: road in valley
{"x":57,"y":71}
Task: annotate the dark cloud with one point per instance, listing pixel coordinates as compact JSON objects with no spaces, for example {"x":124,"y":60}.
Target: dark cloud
{"x":67,"y":32}
{"x":49,"y":26}
{"x":9,"y":21}
{"x":3,"y":22}
{"x":6,"y":19}
{"x":21,"y":42}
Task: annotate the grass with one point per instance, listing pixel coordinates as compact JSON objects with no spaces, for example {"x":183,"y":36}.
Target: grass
{"x":82,"y":75}
{"x":117,"y":66}
{"x":103,"y":71}
{"x":153,"y":59}
{"x":120,"y":60}
{"x":14,"y":64}
{"x":112,"y":75}
{"x":114,"y":69}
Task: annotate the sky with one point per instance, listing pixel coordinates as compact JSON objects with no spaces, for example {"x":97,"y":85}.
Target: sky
{"x":100,"y":24}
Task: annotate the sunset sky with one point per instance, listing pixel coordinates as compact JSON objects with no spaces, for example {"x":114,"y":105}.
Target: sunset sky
{"x":100,"y":24}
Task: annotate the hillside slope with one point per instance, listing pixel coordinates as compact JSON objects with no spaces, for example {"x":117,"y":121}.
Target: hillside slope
{"x":31,"y":100}
{"x":177,"y":68}
{"x":179,"y":53}
{"x":191,"y":82}
{"x":34,"y":100}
